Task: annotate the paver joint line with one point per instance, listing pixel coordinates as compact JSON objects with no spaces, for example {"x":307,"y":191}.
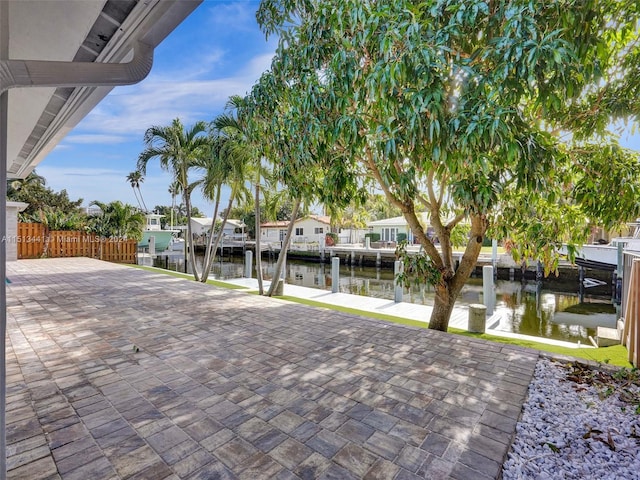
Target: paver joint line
{"x":115,"y":372}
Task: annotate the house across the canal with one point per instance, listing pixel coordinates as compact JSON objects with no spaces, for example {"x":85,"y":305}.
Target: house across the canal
{"x":311,"y":228}
{"x":390,"y":228}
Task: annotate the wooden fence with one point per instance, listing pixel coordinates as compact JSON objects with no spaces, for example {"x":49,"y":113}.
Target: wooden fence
{"x":36,"y":241}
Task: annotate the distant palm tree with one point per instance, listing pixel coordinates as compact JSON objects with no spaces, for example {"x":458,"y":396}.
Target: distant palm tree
{"x":135,"y":179}
{"x":174,"y":190}
{"x":178,"y":150}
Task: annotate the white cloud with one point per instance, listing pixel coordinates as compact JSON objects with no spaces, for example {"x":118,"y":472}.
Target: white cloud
{"x":97,"y":138}
{"x":129,"y":111}
{"x":234,"y":16}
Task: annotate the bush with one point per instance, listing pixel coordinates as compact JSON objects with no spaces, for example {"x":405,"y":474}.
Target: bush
{"x":331,"y":239}
{"x":401,"y":237}
{"x":374,"y":237}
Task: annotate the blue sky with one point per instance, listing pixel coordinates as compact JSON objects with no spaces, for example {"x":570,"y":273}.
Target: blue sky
{"x":218,"y":51}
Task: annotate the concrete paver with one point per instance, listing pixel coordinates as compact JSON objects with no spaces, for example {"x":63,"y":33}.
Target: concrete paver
{"x":115,"y":372}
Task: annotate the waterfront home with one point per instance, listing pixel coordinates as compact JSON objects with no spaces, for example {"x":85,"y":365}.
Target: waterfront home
{"x":233,"y":229}
{"x":311,"y":228}
{"x":390,"y":228}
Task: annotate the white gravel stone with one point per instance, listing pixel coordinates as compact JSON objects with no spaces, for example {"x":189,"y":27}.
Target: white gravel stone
{"x":557,"y":416}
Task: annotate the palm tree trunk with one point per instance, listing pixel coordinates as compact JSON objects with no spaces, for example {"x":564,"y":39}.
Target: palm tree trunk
{"x":135,"y":194}
{"x":219,"y":236}
{"x":189,"y":239}
{"x":206,"y":267}
{"x":258,"y":249}
{"x":142,"y":200}
{"x":283,"y":251}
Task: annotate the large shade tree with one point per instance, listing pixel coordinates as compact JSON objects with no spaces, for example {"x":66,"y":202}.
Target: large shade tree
{"x":465,"y":109}
{"x":40,"y":198}
{"x":292,"y":156}
{"x":179,"y":150}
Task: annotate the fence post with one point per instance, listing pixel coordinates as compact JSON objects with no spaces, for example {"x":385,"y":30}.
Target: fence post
{"x":335,"y":274}
{"x":398,"y":268}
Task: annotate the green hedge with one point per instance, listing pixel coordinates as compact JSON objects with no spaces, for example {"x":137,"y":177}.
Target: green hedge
{"x":375,"y":237}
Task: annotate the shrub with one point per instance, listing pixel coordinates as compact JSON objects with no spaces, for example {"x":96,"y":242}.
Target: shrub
{"x":374,"y":237}
{"x":331,"y":239}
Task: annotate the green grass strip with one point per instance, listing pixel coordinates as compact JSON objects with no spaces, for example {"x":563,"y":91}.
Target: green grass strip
{"x":615,"y":355}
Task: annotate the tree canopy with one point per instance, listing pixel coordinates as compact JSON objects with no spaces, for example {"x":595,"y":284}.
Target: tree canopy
{"x":488,"y":113}
{"x":34,"y":191}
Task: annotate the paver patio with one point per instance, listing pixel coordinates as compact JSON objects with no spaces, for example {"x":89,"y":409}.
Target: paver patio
{"x":116,"y":372}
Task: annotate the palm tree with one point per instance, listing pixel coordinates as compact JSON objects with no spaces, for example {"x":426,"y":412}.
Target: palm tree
{"x":33,"y":179}
{"x":119,"y":220}
{"x":243,"y":129}
{"x":224,"y":166}
{"x":135,"y":179}
{"x":174,"y":190}
{"x":179,"y":150}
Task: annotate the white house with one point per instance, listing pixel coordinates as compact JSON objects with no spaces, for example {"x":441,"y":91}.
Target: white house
{"x":233,"y":229}
{"x":273,"y":231}
{"x":200,"y":225}
{"x":307,"y":229}
{"x":389,"y":228}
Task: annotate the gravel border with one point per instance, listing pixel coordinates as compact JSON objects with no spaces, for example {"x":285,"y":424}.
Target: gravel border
{"x":569,"y":430}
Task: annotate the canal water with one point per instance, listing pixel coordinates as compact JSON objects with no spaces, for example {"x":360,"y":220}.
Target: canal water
{"x":549,"y":309}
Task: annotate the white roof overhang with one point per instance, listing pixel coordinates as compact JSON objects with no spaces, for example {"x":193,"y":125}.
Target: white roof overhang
{"x":48,"y":54}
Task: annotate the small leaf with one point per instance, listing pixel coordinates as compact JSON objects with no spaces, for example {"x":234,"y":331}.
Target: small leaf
{"x":553,"y":447}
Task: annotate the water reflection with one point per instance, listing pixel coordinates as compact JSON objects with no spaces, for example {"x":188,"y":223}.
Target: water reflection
{"x":526,"y":308}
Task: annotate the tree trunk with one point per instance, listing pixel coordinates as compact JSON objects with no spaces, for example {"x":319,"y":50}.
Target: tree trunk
{"x":206,"y":266}
{"x":257,"y":240}
{"x":448,"y":290}
{"x":135,"y":194}
{"x":189,"y":240}
{"x":283,"y":251}
{"x":142,"y":200}
{"x":205,"y":274}
{"x":442,"y":307}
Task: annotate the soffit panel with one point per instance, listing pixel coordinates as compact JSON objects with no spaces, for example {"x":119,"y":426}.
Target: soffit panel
{"x":50,"y":30}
